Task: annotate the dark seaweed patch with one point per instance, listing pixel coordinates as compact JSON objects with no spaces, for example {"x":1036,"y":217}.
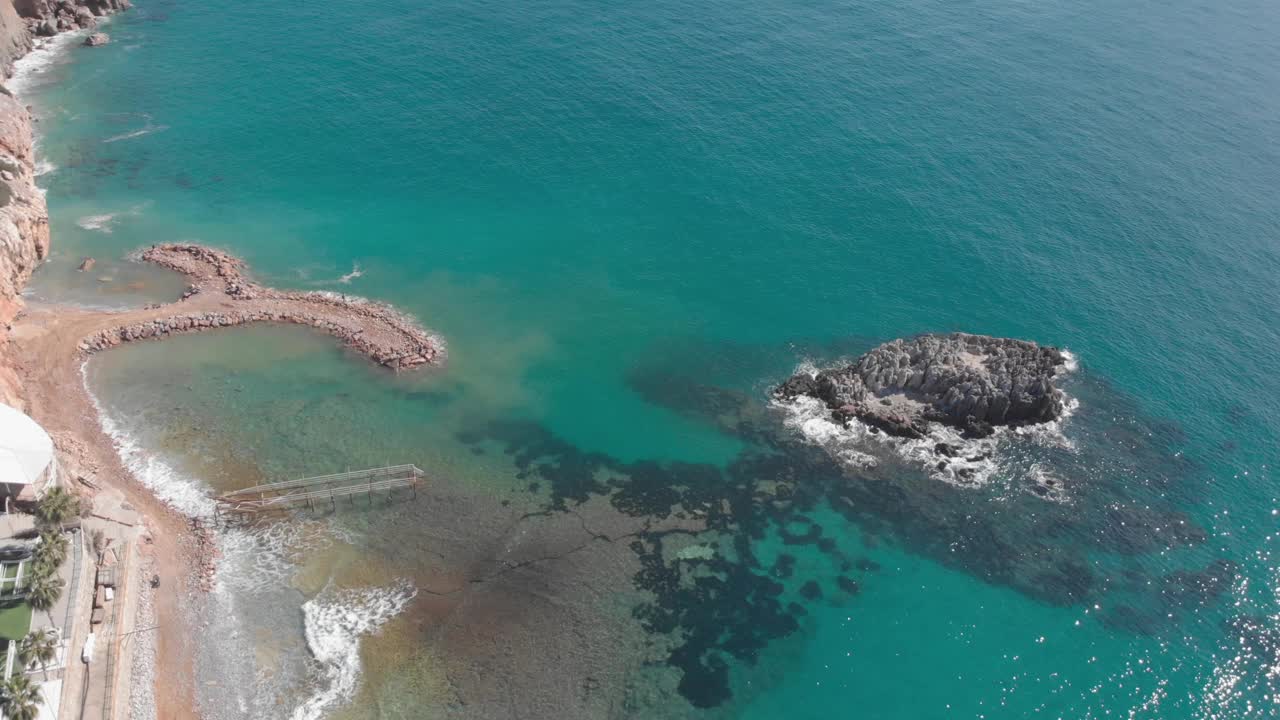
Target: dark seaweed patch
{"x":811,"y":590}
{"x":730,"y":606}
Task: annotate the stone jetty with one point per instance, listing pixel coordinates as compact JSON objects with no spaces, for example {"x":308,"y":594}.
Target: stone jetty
{"x":972,"y":382}
{"x":221,"y":294}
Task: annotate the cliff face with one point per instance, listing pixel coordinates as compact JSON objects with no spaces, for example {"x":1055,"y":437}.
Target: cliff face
{"x":45,"y":18}
{"x":24,"y":218}
{"x":24,"y":224}
{"x":15,"y":38}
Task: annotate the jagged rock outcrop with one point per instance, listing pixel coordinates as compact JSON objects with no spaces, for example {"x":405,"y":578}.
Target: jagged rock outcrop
{"x":24,"y":218}
{"x":973,"y":382}
{"x":24,"y":225}
{"x":15,"y":38}
{"x":97,"y":39}
{"x":45,"y":18}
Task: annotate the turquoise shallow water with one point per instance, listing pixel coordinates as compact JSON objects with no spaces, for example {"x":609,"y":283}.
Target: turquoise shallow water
{"x":604,"y":209}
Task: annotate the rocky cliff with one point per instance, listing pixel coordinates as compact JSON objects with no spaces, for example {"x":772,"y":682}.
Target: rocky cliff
{"x":24,"y":218}
{"x":15,"y":37}
{"x":45,"y":18}
{"x":24,"y":222}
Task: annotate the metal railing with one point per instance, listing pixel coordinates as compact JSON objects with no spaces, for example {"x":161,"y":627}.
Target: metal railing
{"x":291,"y":493}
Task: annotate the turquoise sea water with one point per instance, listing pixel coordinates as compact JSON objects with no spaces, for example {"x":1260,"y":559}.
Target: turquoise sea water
{"x":629,"y":222}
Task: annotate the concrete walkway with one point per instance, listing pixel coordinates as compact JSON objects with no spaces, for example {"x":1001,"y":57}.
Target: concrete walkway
{"x":90,"y":691}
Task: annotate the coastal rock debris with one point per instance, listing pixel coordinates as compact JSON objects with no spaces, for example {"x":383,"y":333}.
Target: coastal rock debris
{"x":50,"y":17}
{"x":45,"y":18}
{"x":972,"y":382}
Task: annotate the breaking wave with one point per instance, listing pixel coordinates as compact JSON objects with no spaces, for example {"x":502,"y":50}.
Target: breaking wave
{"x":181,"y":492}
{"x":256,"y":561}
{"x":104,"y":222}
{"x":146,"y":129}
{"x":355,"y":273}
{"x":97,"y":222}
{"x":335,"y":620}
{"x":30,"y":70}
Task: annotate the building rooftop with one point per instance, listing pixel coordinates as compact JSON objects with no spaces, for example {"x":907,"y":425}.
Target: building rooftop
{"x":26,"y":450}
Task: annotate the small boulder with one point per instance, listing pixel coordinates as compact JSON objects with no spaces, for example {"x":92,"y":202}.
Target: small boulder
{"x":86,"y":265}
{"x":97,"y":39}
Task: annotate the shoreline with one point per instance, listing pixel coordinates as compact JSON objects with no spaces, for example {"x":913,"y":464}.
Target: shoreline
{"x":50,"y":346}
{"x":57,"y":398}
{"x":42,"y":371}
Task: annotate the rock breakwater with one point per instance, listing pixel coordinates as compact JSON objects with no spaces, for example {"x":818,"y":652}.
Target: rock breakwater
{"x":222,"y":295}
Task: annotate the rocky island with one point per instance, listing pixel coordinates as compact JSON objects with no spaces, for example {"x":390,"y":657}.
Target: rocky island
{"x":972,"y":382}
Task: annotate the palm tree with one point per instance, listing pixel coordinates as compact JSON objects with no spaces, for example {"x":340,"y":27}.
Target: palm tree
{"x":43,"y":592}
{"x":20,"y":698}
{"x":57,"y":506}
{"x":52,"y":549}
{"x":39,"y":647}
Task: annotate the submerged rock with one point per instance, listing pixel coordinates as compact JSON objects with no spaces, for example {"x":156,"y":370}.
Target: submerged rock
{"x":97,"y":39}
{"x":972,"y":382}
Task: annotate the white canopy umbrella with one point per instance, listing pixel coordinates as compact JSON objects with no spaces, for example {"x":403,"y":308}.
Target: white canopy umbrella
{"x":26,"y":450}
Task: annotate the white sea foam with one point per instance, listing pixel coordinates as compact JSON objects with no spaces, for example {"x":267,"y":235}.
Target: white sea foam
{"x":97,"y":222}
{"x":355,"y":273}
{"x":31,"y":69}
{"x":148,"y":128}
{"x":1070,"y":363}
{"x":970,"y":462}
{"x":182,"y":493}
{"x":811,"y":418}
{"x":104,"y":222}
{"x":335,"y":620}
{"x":1046,"y":484}
{"x":44,"y":167}
{"x":266,"y":558}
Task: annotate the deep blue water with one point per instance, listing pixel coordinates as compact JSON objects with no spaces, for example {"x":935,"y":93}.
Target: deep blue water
{"x":605,"y":207}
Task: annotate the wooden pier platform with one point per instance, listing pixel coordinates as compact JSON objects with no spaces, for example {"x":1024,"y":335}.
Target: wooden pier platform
{"x":319,"y":490}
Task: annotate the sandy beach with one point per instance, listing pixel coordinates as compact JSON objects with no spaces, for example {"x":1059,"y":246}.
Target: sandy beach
{"x":58,"y":400}
{"x":48,"y":345}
